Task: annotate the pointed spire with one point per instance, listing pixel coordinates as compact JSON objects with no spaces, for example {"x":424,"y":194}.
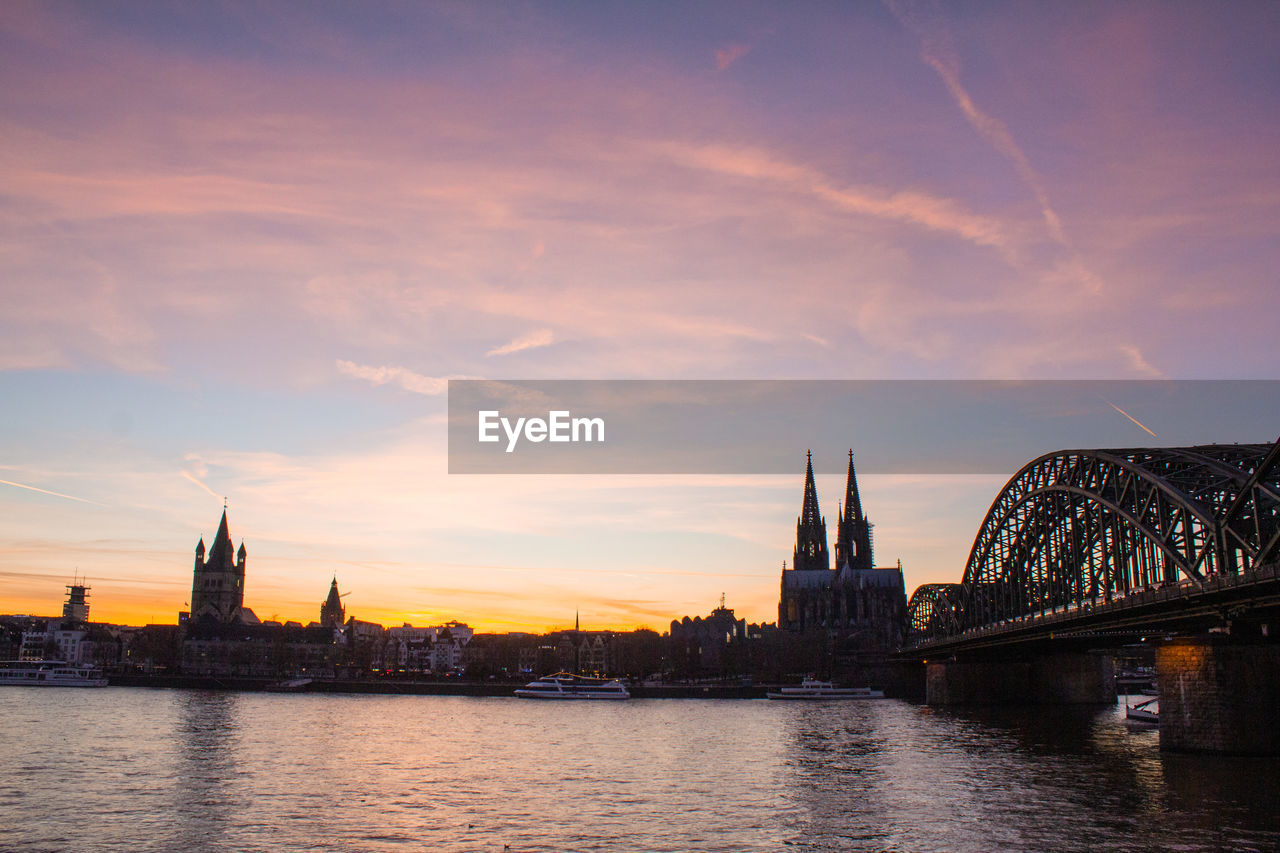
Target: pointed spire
{"x":575,"y":621}
{"x":334,"y":599}
{"x":852,"y":503}
{"x":200,"y":546}
{"x":220,"y":550}
{"x":811,"y":528}
{"x":809,"y":513}
{"x":853,"y":533}
{"x":332,"y":612}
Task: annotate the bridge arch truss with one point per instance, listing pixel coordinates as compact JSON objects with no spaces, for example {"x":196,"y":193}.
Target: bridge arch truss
{"x":1080,"y":528}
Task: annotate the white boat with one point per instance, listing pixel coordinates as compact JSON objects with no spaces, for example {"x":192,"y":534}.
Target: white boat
{"x":564,"y":685}
{"x":50,"y":673}
{"x":811,"y":688}
{"x":1144,"y":712}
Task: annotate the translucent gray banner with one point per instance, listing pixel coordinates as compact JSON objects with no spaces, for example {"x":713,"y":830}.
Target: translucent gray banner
{"x":899,"y":427}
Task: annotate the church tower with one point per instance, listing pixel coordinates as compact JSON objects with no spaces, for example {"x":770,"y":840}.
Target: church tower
{"x":217,"y":586}
{"x":811,"y":529}
{"x":332,"y":613}
{"x":853,"y":533}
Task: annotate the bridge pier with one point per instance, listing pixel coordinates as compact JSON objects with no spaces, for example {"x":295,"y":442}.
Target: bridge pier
{"x":1057,"y":679}
{"x":1219,"y":696}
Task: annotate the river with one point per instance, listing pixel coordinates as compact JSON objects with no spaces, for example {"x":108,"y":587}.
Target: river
{"x":128,"y":769}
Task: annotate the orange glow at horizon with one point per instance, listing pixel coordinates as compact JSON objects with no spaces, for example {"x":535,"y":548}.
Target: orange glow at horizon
{"x":137,"y":614}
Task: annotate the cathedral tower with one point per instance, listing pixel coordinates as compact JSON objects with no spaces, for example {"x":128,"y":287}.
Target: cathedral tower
{"x":853,"y":531}
{"x":217,"y":586}
{"x":806,"y":586}
{"x":811,"y":529}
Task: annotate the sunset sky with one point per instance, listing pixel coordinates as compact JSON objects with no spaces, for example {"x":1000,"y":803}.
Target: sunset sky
{"x":244,"y":246}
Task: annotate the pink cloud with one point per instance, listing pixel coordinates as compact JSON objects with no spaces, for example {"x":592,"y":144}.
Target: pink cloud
{"x":906,"y":206}
{"x":403,"y":377}
{"x":730,"y":54}
{"x":533,"y":340}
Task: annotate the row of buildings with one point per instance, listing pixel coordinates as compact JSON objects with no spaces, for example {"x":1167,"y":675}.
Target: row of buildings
{"x":848,"y":612}
{"x":70,"y":637}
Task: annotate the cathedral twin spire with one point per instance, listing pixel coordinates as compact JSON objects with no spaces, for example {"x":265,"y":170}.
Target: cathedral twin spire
{"x":853,"y":534}
{"x":811,"y":529}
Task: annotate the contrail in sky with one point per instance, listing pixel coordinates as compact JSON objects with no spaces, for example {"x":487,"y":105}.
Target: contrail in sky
{"x":938,"y":51}
{"x":1129,"y":416}
{"x":194,"y":479}
{"x":47,"y":492}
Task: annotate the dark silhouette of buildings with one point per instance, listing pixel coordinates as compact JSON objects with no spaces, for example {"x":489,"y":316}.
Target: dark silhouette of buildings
{"x":70,"y":638}
{"x":862,"y":606}
{"x":702,"y":646}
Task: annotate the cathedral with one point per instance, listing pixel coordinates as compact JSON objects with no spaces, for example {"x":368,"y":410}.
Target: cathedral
{"x":855,"y":602}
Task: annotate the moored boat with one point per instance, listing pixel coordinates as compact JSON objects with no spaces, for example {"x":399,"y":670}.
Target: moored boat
{"x":50,"y":673}
{"x":811,"y":688}
{"x":564,"y":685}
{"x":293,"y":685}
{"x":1144,"y":712}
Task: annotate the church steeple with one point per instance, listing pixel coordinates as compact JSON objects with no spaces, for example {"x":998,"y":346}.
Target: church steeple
{"x":811,"y":528}
{"x":217,"y":585}
{"x":220,"y":550}
{"x":853,"y":533}
{"x":332,"y":613}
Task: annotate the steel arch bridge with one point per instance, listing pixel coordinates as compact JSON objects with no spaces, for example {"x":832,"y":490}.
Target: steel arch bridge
{"x":1080,"y":531}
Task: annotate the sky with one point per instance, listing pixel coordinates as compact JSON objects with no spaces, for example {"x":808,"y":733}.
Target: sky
{"x":244,"y":247}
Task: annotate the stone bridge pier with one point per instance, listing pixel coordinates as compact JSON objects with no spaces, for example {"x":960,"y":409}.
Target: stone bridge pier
{"x":1219,"y":694}
{"x":1049,"y":679}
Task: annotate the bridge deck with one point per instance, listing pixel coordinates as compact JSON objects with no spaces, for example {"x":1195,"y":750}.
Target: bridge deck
{"x":1173,"y":607}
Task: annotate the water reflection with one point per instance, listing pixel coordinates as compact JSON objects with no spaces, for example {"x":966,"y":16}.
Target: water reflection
{"x":898,"y":777}
{"x":839,"y":761}
{"x":136,"y":770}
{"x":205,"y":777}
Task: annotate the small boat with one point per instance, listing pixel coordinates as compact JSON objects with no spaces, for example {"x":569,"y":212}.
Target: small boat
{"x":1144,"y":712}
{"x":811,"y":688}
{"x":564,"y":685}
{"x":294,"y":685}
{"x":50,"y":673}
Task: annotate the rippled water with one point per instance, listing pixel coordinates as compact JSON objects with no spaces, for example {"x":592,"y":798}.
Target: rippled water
{"x":134,"y":769}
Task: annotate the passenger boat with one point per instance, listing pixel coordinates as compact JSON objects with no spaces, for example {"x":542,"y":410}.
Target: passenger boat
{"x":811,"y":688}
{"x":50,"y":673}
{"x":1144,"y":712}
{"x":564,"y":685}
